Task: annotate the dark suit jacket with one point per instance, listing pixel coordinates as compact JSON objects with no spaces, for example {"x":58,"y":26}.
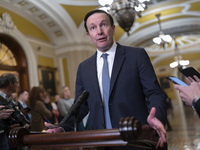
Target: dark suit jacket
{"x":4,"y":123}
{"x":133,"y":87}
{"x":20,"y":107}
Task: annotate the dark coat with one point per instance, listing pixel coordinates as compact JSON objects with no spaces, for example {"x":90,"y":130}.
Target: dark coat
{"x":133,"y":87}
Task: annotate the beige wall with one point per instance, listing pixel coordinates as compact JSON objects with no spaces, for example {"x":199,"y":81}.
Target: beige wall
{"x":66,"y":63}
{"x":74,"y":58}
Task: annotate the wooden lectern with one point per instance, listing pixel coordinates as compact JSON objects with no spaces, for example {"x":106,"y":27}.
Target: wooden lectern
{"x":130,"y":133}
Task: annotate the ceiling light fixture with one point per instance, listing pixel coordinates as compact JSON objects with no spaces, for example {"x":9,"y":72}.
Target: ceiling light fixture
{"x":124,"y":11}
{"x":162,"y":39}
{"x":178,"y":62}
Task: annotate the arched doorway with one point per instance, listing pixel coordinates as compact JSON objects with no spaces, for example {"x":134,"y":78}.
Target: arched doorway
{"x":13,"y":60}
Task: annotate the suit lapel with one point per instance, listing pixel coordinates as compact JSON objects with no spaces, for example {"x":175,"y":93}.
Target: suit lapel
{"x":93,"y":75}
{"x":19,"y":105}
{"x":118,"y":62}
{"x":3,"y":101}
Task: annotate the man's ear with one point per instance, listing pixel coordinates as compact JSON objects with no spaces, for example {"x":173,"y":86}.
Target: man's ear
{"x":113,"y":29}
{"x":10,"y":84}
{"x":87,"y":33}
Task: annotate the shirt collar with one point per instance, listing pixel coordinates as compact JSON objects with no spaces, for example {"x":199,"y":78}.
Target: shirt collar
{"x":22,"y":103}
{"x":111,"y":51}
{"x":3,"y":94}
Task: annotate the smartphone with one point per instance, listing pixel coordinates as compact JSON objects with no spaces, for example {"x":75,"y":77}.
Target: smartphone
{"x":176,"y":80}
{"x":190,"y":72}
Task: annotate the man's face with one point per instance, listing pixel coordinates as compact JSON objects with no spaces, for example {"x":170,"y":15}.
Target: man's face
{"x":14,"y":86}
{"x":25,"y":96}
{"x":66,"y":93}
{"x":57,"y":98}
{"x":100,"y":31}
{"x":43,"y":95}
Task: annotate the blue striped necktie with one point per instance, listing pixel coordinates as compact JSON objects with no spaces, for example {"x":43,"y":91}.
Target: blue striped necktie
{"x":106,"y":89}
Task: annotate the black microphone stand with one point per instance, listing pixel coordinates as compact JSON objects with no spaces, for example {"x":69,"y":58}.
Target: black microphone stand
{"x":74,"y":110}
{"x":76,"y":118}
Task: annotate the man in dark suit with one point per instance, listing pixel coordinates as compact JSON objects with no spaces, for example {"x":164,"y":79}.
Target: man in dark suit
{"x":22,"y":103}
{"x":134,"y":89}
{"x":4,"y":114}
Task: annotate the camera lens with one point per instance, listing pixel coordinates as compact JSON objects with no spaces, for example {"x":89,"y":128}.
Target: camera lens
{"x":17,"y":115}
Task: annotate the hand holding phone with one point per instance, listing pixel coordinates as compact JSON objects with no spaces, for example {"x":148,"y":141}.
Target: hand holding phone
{"x":176,"y":80}
{"x":190,"y":72}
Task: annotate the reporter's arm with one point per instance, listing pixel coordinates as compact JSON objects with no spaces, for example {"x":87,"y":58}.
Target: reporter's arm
{"x":188,"y":93}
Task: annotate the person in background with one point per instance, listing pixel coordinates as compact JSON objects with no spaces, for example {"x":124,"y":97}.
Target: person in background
{"x":129,"y":89}
{"x":4,"y":115}
{"x":8,"y":85}
{"x":53,"y":108}
{"x":65,"y":103}
{"x":57,"y":98}
{"x":39,"y":112}
{"x":190,"y":95}
{"x":22,"y":103}
{"x":14,"y":96}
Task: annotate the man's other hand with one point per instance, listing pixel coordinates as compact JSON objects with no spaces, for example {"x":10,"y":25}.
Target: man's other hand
{"x":158,"y":126}
{"x":52,"y":128}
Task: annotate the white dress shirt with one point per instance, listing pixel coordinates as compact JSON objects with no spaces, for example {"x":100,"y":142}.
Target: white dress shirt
{"x":110,"y":59}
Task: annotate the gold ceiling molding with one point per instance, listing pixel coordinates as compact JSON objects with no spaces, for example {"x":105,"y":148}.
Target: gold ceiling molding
{"x":169,"y":12}
{"x":62,"y":18}
{"x":33,"y":9}
{"x":22,"y":3}
{"x":195,"y":6}
{"x":24,"y":25}
{"x":58,"y":33}
{"x":78,"y":13}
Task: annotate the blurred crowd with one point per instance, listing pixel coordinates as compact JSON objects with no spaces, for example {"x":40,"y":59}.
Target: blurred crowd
{"x":29,"y":109}
{"x":39,"y":107}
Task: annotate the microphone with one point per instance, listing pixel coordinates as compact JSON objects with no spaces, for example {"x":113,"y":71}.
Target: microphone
{"x":76,"y":106}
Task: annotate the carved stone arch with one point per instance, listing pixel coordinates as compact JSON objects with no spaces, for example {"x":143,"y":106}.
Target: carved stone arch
{"x":22,"y":50}
{"x":20,"y":58}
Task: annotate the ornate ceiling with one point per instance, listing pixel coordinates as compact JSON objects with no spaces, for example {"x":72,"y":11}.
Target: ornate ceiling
{"x":61,"y":23}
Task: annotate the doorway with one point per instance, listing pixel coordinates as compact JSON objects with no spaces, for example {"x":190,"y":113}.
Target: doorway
{"x":13,"y":60}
